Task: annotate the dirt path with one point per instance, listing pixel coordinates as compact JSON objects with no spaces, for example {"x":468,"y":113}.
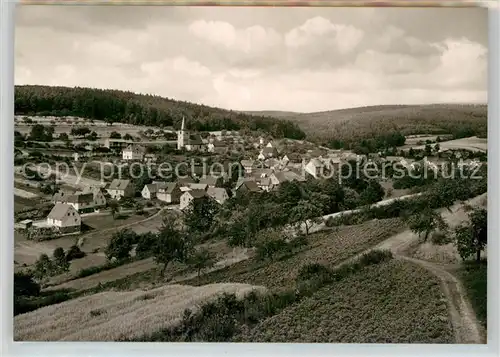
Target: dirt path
{"x":466,"y":328}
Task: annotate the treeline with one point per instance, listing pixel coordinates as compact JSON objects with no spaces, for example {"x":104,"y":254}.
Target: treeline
{"x":151,"y":110}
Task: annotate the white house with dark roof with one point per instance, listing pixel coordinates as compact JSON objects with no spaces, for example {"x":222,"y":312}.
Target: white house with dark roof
{"x":170,"y":192}
{"x":150,"y":191}
{"x":219,"y":194}
{"x":133,"y":152}
{"x":189,"y":196}
{"x":121,"y":188}
{"x":314,"y":167}
{"x":248,"y":165}
{"x":65,"y":218}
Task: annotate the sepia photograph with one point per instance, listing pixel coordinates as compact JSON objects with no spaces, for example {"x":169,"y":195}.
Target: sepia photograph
{"x":250,"y":174}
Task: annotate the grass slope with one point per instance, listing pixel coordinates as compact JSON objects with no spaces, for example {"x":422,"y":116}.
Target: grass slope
{"x":354,"y":123}
{"x":394,"y":302}
{"x":110,"y":316}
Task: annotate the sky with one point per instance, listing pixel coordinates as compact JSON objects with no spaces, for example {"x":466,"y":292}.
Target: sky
{"x":287,"y":59}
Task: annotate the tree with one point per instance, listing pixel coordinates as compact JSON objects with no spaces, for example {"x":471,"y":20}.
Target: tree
{"x":120,"y":245}
{"x":305,"y":213}
{"x":437,"y":147}
{"x":172,"y":245}
{"x":60,"y":261}
{"x":200,"y":215}
{"x":115,"y":135}
{"x":128,"y":137}
{"x":44,"y":267}
{"x":80,"y":131}
{"x":24,"y":285}
{"x":93,"y":136}
{"x":426,"y":222}
{"x":64,"y":137}
{"x":428,"y":150}
{"x":471,"y":238}
{"x":374,"y":192}
{"x":411,"y":153}
{"x":202,"y":259}
{"x":145,"y":244}
{"x":114,"y":207}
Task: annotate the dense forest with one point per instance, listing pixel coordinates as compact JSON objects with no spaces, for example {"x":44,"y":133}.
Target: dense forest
{"x":127,"y":107}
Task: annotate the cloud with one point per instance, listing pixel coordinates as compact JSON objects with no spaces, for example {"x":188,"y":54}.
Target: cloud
{"x":259,"y":58}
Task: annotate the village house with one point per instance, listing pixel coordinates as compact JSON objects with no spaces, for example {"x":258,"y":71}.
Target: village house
{"x":98,"y":196}
{"x":277,"y":178}
{"x":184,"y":182}
{"x":81,"y":202}
{"x":264,"y":183}
{"x":315,"y":167}
{"x":219,"y":194}
{"x":169,"y":193}
{"x":133,"y":152}
{"x":267,"y":152}
{"x":188,"y":196}
{"x":248,"y":186}
{"x":65,"y":218}
{"x":218,"y":147}
{"x":60,"y":196}
{"x":212,"y":181}
{"x":248,"y":165}
{"x":121,"y":188}
{"x":150,"y":191}
{"x":198,"y":186}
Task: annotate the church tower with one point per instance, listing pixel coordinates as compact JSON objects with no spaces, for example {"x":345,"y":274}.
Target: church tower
{"x":181,"y":136}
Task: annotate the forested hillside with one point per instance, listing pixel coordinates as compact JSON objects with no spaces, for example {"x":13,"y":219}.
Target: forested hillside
{"x":127,"y":107}
{"x":348,"y":127}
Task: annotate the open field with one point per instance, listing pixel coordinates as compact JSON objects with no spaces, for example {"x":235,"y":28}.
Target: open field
{"x":24,"y":194}
{"x":110,"y":316}
{"x":394,"y":302}
{"x":364,"y":122}
{"x":472,"y":143}
{"x":27,"y":252}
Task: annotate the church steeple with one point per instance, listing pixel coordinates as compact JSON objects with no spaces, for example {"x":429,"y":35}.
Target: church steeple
{"x":181,"y":136}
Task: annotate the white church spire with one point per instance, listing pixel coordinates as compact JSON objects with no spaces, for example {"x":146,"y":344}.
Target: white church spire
{"x":182,"y":126}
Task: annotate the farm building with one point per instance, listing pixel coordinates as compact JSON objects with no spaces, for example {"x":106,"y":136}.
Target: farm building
{"x":150,"y":191}
{"x":248,"y":186}
{"x":121,"y":188}
{"x":65,"y":218}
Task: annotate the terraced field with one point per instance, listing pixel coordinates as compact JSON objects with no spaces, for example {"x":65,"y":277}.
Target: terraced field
{"x":394,"y":302}
{"x":329,"y":248}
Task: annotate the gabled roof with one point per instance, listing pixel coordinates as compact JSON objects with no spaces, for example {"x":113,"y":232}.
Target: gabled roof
{"x":62,"y":194}
{"x":185,"y":180}
{"x":60,"y":210}
{"x":136,"y":148}
{"x":316,"y":162}
{"x":217,"y":193}
{"x":196,"y":193}
{"x":247,"y":163}
{"x":209,"y":180}
{"x":80,"y":198}
{"x":251,"y":186}
{"x":152,"y":187}
{"x":198,"y":186}
{"x":117,"y":184}
{"x":194,"y":139}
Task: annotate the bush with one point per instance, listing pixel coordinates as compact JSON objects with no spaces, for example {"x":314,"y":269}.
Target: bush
{"x":375,"y":257}
{"x":440,"y":238}
{"x":314,"y":271}
{"x":73,"y":253}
